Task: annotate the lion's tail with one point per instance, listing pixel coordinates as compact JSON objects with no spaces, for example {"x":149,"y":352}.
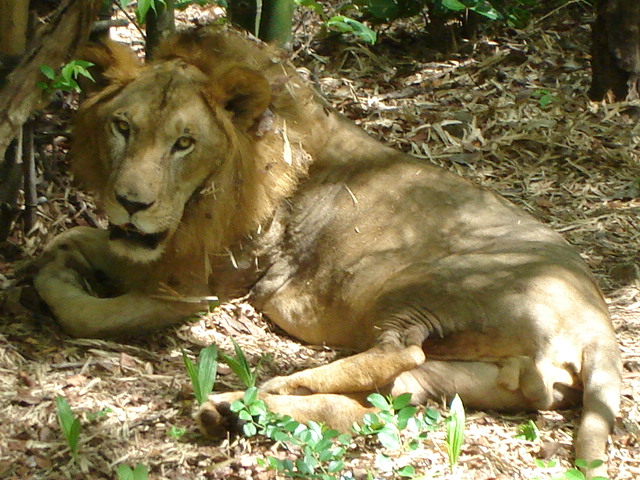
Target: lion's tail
{"x":601,"y":377}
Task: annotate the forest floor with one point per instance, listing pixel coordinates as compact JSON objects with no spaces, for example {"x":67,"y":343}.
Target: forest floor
{"x":509,"y":111}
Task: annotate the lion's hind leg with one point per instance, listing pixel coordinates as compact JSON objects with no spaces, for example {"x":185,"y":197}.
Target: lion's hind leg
{"x":486,"y":385}
{"x":338,"y":412}
{"x":334,"y":394}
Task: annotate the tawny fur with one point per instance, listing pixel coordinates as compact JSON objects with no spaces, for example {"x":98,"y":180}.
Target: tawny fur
{"x":224,"y":174}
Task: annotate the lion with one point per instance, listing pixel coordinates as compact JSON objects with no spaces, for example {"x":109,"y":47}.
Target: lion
{"x":223,"y":173}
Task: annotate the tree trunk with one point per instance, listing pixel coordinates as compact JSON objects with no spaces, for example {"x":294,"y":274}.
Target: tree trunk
{"x":160,"y":25}
{"x":615,"y":50}
{"x":14,"y":19}
{"x":271,"y":24}
{"x":59,"y":41}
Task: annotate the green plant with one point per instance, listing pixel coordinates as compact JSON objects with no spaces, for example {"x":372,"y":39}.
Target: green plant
{"x":321,"y":456}
{"x":258,"y":420}
{"x":395,"y":416}
{"x":544,"y":97}
{"x":69,"y":424}
{"x":240,"y":366}
{"x":176,"y":432}
{"x":203,"y":374}
{"x":455,"y":430}
{"x":125,"y":472}
{"x":528,"y":431}
{"x":100,"y":414}
{"x":571,"y":473}
{"x":66,"y":80}
{"x":322,"y":450}
{"x":341,"y":23}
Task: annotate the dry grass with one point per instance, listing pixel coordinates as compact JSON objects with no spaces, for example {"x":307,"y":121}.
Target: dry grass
{"x":480,"y":112}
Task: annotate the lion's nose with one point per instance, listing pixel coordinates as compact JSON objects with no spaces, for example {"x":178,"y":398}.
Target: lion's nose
{"x":132,"y":206}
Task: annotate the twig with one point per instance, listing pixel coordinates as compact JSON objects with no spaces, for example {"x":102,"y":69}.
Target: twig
{"x":29,"y":175}
{"x":135,"y":24}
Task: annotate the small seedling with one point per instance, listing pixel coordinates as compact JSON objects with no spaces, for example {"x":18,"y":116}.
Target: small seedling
{"x":69,"y":424}
{"x":66,"y":80}
{"x":176,"y":432}
{"x":570,"y":474}
{"x":545,"y":97}
{"x":395,"y":416}
{"x":240,"y":366}
{"x":528,"y":431}
{"x":575,"y":474}
{"x":99,"y":415}
{"x":202,"y":375}
{"x":125,"y":472}
{"x":455,"y":430}
{"x":322,"y":450}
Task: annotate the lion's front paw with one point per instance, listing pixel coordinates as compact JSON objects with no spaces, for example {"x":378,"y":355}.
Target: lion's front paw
{"x":215,"y":417}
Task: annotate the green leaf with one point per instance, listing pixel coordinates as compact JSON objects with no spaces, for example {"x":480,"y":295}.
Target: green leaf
{"x":140,"y":472}
{"x":193,"y":375}
{"x":312,"y":4}
{"x":407,"y":471}
{"x":384,"y":463}
{"x":144,"y":6}
{"x":207,"y":370}
{"x":74,"y":436}
{"x":69,"y":424}
{"x":389,"y":439}
{"x":455,"y":430}
{"x":378,"y":401}
{"x":48,"y":72}
{"x":454,"y":5}
{"x":240,"y":366}
{"x":250,"y":395}
{"x":401,"y":401}
{"x":528,"y":431}
{"x":249,"y":429}
{"x":486,"y":10}
{"x":335,"y":466}
{"x":349,"y":25}
{"x":383,"y":9}
{"x":124,"y":472}
{"x":574,"y":474}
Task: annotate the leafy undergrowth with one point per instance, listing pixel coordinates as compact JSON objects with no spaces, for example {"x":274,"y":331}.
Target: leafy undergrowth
{"x":511,"y":113}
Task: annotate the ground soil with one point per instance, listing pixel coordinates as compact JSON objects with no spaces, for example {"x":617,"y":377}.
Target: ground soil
{"x":507,"y":109}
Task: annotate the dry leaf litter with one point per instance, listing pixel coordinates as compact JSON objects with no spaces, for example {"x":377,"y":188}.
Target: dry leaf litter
{"x":510,"y":112}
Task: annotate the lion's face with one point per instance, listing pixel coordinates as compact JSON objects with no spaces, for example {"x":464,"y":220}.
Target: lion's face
{"x":161,"y":146}
{"x":160,"y":139}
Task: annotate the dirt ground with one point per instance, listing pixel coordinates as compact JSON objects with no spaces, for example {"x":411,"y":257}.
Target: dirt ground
{"x":509,"y":111}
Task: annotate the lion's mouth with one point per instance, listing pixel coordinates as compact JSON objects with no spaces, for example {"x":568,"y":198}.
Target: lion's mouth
{"x":131,"y":234}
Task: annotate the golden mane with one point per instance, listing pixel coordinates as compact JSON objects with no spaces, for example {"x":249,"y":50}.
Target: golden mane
{"x":262,"y":166}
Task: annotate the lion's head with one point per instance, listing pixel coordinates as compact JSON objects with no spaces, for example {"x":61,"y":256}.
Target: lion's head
{"x":185,"y":152}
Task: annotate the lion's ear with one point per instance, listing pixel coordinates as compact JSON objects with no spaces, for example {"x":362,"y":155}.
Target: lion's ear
{"x":246,"y":94}
{"x":112,"y":63}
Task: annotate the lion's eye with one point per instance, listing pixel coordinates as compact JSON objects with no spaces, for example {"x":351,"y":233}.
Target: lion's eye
{"x":122,"y":126}
{"x":183,"y":143}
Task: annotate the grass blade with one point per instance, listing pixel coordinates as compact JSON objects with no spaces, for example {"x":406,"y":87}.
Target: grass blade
{"x":455,"y":431}
{"x":69,"y":424}
{"x":207,"y":370}
{"x":193,"y":375}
